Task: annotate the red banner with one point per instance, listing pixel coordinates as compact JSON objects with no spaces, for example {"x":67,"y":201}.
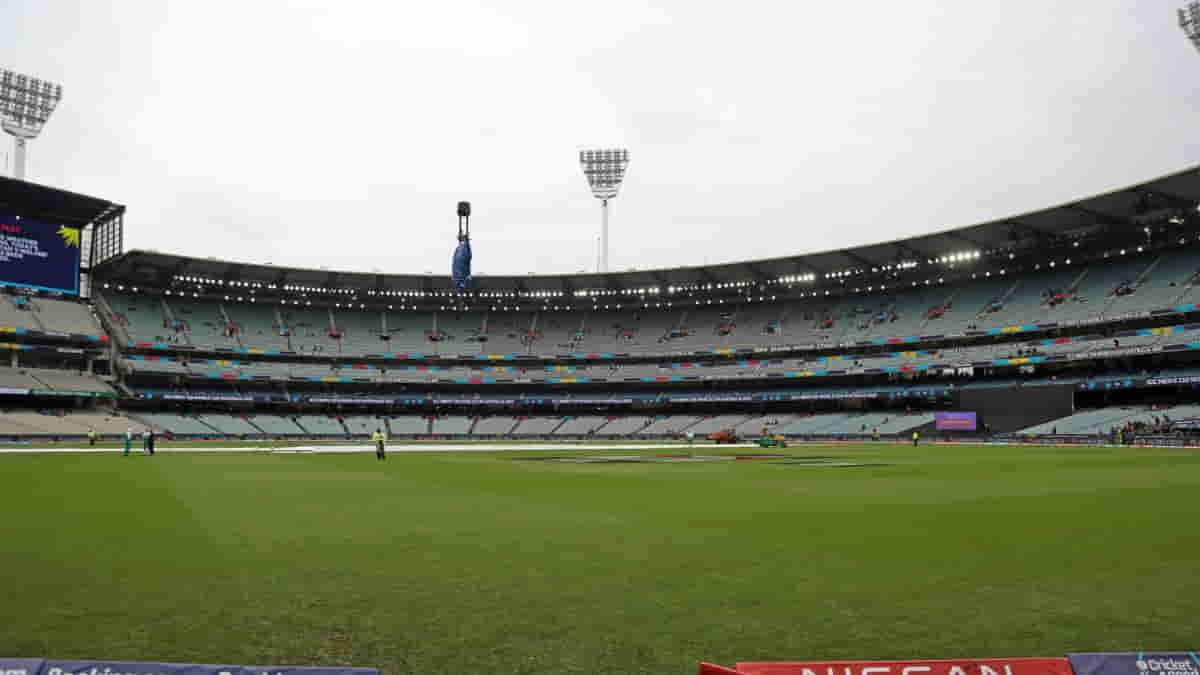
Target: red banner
{"x":1019,"y":666}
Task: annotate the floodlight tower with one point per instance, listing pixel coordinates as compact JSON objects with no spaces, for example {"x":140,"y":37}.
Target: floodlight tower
{"x":26,"y":103}
{"x":604,"y":169}
{"x":1189,"y":21}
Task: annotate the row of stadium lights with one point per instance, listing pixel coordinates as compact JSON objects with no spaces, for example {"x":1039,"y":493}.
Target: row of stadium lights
{"x":595,"y":294}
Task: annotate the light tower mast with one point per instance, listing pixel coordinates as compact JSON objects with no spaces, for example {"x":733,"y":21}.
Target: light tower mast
{"x":1189,"y":21}
{"x":26,"y":104}
{"x":605,"y":170}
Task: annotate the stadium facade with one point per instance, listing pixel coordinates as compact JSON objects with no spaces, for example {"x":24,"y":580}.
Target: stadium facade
{"x":1066,"y":322}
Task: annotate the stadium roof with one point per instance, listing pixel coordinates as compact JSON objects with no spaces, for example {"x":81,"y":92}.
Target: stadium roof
{"x":1128,"y":207}
{"x":52,"y":205}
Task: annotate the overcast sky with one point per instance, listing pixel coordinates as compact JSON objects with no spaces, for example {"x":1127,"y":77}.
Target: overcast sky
{"x":341,"y":134}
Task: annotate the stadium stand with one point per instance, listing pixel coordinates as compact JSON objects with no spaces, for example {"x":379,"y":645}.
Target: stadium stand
{"x":62,"y":380}
{"x":580,"y":426}
{"x":452,"y":426}
{"x":408,"y":425}
{"x":25,"y":423}
{"x":18,"y":379}
{"x":65,"y":316}
{"x":233,"y":425}
{"x":178,"y":424}
{"x":16,"y":313}
{"x":718,"y":423}
{"x":668,"y":425}
{"x":360,"y":425}
{"x":494,"y":426}
{"x":275,"y":425}
{"x":536,"y":426}
{"x":320,"y":425}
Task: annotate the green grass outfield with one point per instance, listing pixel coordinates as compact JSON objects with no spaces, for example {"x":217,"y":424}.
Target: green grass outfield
{"x":477,"y":563}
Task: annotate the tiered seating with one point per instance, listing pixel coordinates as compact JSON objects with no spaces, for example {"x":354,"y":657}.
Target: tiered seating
{"x":362,"y":425}
{"x":672,"y":424}
{"x":812,"y":424}
{"x":409,"y":425}
{"x":1027,"y":304}
{"x":581,"y":426}
{"x":63,"y":380}
{"x":273,"y":424}
{"x":1163,"y":284}
{"x":536,"y":426}
{"x":15,"y":378}
{"x":26,"y":422}
{"x":900,"y":423}
{"x":452,"y":426}
{"x":1094,"y":293}
{"x":754,"y":425}
{"x":66,"y":316}
{"x":1087,"y":421}
{"x":178,"y":424}
{"x":12,"y":317}
{"x":720,"y":422}
{"x":407,"y":331}
{"x":321,"y":425}
{"x":623,"y":426}
{"x":228,"y":424}
{"x":257,"y":325}
{"x":494,"y":426}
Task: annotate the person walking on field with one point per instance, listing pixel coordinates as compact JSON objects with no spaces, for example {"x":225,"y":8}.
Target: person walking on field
{"x":128,"y":440}
{"x":916,"y":439}
{"x":379,"y":437}
{"x":92,"y":437}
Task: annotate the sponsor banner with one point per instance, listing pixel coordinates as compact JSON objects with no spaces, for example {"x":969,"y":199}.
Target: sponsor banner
{"x":176,"y":396}
{"x":10,"y":391}
{"x":833,"y":395}
{"x":1136,"y":663}
{"x":1020,"y":666}
{"x":955,"y":421}
{"x":59,"y":392}
{"x":1168,"y":381}
{"x":1113,"y":353}
{"x":51,"y":667}
{"x":348,"y":400}
{"x":720,"y":398}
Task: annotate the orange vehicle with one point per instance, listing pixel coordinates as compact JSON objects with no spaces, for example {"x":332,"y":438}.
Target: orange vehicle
{"x":724,"y":436}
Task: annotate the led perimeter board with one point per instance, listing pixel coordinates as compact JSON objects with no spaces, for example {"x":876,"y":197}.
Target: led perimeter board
{"x":955,"y":421}
{"x":39,"y":255}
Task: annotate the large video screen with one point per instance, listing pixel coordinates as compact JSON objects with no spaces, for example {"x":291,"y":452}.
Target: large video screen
{"x":39,"y":255}
{"x":955,"y":421}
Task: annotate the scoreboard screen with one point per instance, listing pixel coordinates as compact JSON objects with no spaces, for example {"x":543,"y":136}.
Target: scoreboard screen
{"x":39,"y":255}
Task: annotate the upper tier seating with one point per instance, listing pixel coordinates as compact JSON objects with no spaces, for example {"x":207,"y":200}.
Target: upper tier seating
{"x":46,"y":314}
{"x":1065,"y":293}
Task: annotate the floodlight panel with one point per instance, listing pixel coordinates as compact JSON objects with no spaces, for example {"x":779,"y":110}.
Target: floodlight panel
{"x":605,"y":170}
{"x":27,"y":102}
{"x":1189,"y":21}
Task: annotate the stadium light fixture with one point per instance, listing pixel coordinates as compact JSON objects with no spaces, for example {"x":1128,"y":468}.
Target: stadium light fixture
{"x":26,"y":104}
{"x":605,"y":171}
{"x":1189,"y":21}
